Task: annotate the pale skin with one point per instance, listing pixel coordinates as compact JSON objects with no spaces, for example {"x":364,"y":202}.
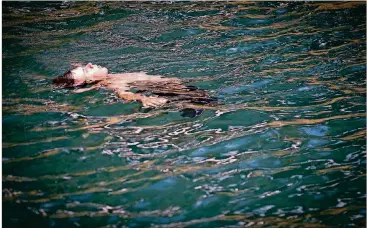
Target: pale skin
{"x":119,"y":83}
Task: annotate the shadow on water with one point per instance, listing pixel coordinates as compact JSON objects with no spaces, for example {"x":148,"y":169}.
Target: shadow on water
{"x":285,"y":147}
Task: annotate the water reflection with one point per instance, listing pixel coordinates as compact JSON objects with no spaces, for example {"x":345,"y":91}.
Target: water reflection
{"x":284,"y":148}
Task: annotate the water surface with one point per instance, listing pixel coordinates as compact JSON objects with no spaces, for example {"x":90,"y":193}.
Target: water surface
{"x":287,"y":147}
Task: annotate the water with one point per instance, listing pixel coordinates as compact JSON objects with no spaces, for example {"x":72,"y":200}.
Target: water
{"x":287,"y":147}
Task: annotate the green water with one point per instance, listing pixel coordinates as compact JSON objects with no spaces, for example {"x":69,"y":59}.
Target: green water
{"x":287,"y":147}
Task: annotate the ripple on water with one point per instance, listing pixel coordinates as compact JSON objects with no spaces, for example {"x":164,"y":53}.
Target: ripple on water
{"x":163,"y":185}
{"x":319,"y":130}
{"x":286,"y":147}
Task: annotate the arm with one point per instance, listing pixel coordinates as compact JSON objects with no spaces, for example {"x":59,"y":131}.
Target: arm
{"x":147,"y":101}
{"x":143,"y":76}
{"x":81,"y":90}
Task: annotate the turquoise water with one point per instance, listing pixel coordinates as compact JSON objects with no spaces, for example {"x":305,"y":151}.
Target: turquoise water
{"x":287,"y":147}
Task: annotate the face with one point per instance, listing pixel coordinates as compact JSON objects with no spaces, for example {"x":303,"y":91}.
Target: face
{"x":89,"y":73}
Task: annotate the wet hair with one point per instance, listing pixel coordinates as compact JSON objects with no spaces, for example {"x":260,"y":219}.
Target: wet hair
{"x":65,"y":80}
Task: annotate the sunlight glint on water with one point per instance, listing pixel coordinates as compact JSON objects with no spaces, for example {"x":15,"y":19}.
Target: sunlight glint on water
{"x":286,"y":147}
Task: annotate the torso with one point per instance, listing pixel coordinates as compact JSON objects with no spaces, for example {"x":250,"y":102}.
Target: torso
{"x":124,"y":81}
{"x":170,"y":88}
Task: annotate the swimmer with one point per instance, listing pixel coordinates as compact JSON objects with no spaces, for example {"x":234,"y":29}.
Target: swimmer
{"x":159,"y":90}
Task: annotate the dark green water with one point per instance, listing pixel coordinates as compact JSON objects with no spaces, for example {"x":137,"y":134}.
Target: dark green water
{"x":286,"y":149}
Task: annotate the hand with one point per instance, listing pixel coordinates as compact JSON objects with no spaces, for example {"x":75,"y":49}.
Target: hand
{"x":153,"y":101}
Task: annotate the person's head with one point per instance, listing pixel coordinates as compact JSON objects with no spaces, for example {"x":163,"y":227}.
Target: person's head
{"x":81,"y":75}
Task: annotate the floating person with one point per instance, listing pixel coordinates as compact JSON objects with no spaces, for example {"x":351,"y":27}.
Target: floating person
{"x":150,"y":90}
